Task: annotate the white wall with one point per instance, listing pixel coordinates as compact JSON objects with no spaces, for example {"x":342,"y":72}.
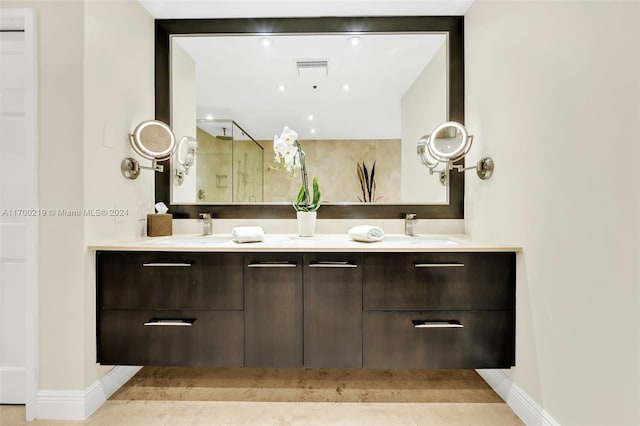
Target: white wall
{"x":423,"y":107}
{"x":549,"y":84}
{"x":183,"y":117}
{"x":61,"y":244}
{"x":118,"y":94}
{"x":95,"y":84}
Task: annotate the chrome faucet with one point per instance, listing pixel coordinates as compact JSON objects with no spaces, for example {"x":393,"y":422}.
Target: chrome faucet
{"x":207,"y":223}
{"x":409,"y":221}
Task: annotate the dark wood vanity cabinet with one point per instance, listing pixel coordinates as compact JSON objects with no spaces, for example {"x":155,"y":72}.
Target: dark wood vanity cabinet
{"x":303,"y":310}
{"x":439,"y":310}
{"x":157,"y":308}
{"x":316,"y":310}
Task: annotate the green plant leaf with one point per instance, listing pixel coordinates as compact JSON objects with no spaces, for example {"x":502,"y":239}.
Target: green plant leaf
{"x":300,"y":205}
{"x":301,"y":196}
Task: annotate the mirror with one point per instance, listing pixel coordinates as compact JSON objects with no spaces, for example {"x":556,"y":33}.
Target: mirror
{"x":153,"y":140}
{"x":363,"y":137}
{"x":184,"y":158}
{"x":448,"y":143}
{"x":334,"y":101}
{"x":186,"y":152}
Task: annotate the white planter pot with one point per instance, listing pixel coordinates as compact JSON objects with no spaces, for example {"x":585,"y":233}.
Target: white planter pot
{"x":306,"y":223}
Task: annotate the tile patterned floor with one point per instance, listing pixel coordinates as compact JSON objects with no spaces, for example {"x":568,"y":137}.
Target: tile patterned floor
{"x":306,"y":385}
{"x":176,"y":396}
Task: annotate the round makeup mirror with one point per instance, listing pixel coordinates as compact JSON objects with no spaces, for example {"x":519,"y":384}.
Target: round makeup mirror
{"x":449,"y":142}
{"x":185,"y":157}
{"x":186,"y":151}
{"x":423,"y":153}
{"x":152,"y":140}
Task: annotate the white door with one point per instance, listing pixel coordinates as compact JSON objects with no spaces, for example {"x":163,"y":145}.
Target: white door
{"x":18,"y":208}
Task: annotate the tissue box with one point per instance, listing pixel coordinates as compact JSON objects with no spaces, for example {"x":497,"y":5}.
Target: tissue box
{"x":159,"y":225}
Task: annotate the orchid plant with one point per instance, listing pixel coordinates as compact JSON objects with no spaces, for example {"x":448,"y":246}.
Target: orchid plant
{"x":288,"y":152}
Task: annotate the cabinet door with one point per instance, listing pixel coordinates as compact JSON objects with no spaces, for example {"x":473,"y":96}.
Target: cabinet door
{"x":440,"y":281}
{"x":333,"y":310}
{"x":273,"y":310}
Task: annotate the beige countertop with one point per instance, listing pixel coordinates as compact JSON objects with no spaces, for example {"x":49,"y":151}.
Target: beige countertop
{"x":317,"y":243}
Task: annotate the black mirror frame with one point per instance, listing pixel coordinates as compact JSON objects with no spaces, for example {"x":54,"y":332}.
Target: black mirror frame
{"x":452,"y":25}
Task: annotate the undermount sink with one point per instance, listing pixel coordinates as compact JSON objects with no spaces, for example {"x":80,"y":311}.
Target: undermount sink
{"x":430,"y":241}
{"x":203,"y":240}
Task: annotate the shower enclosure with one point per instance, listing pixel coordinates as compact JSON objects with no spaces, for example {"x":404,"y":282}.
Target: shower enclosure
{"x":230,"y":164}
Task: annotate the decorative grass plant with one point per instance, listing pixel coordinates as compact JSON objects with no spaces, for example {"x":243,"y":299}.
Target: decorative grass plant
{"x":367,"y":182}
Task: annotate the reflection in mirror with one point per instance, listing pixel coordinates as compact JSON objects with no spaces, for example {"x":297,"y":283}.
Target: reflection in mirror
{"x":228,"y":167}
{"x":350,"y":104}
{"x":184,"y":158}
{"x":186,"y":152}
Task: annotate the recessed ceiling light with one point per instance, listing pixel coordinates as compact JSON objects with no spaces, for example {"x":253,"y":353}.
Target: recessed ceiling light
{"x":355,"y":41}
{"x":345,"y":87}
{"x":281,"y":87}
{"x":209,"y":117}
{"x":310,"y":117}
{"x":265,"y":42}
{"x":312,"y":131}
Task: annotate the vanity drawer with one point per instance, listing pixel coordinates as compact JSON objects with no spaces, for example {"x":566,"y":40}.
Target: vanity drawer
{"x":443,"y":281}
{"x":159,"y":280}
{"x":164,"y":338}
{"x":445,"y":339}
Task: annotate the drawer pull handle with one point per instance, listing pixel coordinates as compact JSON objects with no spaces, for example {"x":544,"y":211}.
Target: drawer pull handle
{"x":437,"y":324}
{"x":329,"y":264}
{"x":439,"y":265}
{"x":170,"y":322}
{"x":284,"y":264}
{"x":170,"y":264}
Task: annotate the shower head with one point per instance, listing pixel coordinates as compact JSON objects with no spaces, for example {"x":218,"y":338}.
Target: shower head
{"x":223,"y":136}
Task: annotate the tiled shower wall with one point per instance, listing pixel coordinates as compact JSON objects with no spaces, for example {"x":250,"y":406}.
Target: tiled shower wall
{"x":333,"y":162}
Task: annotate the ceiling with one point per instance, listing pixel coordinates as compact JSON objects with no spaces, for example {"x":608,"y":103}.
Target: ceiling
{"x":239,"y":79}
{"x":181,"y":9}
{"x":319,"y":85}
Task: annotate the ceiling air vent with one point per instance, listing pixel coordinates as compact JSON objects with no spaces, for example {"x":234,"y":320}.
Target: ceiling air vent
{"x":312,"y":67}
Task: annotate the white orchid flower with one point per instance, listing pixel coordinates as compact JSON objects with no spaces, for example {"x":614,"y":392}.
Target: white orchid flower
{"x":289,"y":156}
{"x":278,"y":148}
{"x":286,"y":149}
{"x":289,"y":136}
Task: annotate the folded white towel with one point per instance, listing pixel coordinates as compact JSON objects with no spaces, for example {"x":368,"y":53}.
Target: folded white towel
{"x":247,"y":234}
{"x":366,"y":233}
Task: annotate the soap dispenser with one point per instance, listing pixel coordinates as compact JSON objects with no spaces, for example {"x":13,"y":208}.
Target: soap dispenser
{"x":207,"y":223}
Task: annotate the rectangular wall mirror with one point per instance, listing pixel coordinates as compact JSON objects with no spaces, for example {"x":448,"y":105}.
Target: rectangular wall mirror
{"x":357,"y":91}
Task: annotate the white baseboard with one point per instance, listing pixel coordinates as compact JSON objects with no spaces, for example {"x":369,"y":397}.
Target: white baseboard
{"x":79,"y":405}
{"x":517,"y":399}
{"x":13,"y":385}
